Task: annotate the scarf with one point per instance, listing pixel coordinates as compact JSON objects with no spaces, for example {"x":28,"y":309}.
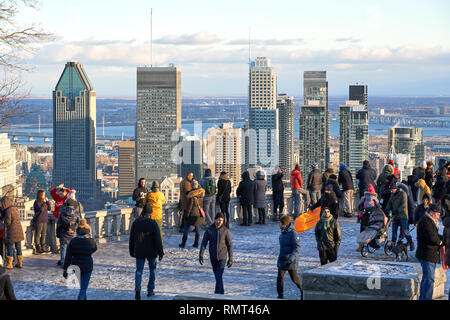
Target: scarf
{"x":325,"y":221}
{"x":436,"y":222}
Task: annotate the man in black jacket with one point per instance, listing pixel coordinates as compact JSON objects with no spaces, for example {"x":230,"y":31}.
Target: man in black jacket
{"x":246,"y":195}
{"x":139,"y":196}
{"x":314,"y":183}
{"x":345,"y":179}
{"x":328,"y":200}
{"x":220,"y":247}
{"x":278,"y":193}
{"x":428,"y":249}
{"x":145,"y":244}
{"x":366,"y":176}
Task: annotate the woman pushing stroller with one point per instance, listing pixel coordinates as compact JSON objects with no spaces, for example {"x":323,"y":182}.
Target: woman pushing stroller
{"x":370,"y":200}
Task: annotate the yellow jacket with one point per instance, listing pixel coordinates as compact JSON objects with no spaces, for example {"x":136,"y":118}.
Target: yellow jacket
{"x":156,"y":200}
{"x":423,"y":189}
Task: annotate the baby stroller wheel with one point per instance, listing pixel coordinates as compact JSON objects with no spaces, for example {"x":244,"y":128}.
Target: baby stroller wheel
{"x":388,"y":248}
{"x":365,"y":250}
{"x":371,"y":249}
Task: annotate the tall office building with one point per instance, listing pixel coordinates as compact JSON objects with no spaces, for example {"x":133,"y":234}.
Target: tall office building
{"x":158,"y":115}
{"x":407,"y":140}
{"x":191,"y":157}
{"x":315,"y":88}
{"x":225,"y":151}
{"x":127,"y":173}
{"x":354,"y":135}
{"x":8,"y":175}
{"x":313,"y":136}
{"x":358,"y":92}
{"x":74,"y":123}
{"x":285,"y":106}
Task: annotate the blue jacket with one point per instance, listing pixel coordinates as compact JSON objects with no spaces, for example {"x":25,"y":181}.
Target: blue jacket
{"x":79,"y":253}
{"x":220,"y":244}
{"x":289,"y":249}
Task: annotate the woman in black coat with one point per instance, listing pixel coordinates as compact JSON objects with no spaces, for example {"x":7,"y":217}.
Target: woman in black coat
{"x":223,"y":196}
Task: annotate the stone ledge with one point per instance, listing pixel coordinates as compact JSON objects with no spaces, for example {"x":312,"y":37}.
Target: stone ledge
{"x":204,"y":296}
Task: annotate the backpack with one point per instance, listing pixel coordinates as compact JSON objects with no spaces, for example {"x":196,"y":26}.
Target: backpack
{"x":210,"y":189}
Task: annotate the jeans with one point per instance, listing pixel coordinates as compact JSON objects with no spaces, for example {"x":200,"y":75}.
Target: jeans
{"x":187,"y":229}
{"x":140,"y":263}
{"x":427,"y":284}
{"x":297,"y":199}
{"x":218,"y":269}
{"x":85,"y":277}
{"x":403,"y":225}
{"x":247,"y":213}
{"x":40,"y":234}
{"x":280,"y":280}
{"x":209,"y":205}
{"x":10,"y":252}
{"x":278,"y":203}
{"x":63,"y":252}
{"x":315,"y":196}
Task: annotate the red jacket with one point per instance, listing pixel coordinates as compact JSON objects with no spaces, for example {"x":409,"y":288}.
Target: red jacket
{"x":296,"y":180}
{"x":58,"y":201}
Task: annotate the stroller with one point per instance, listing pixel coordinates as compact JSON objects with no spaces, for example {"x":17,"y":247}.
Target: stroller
{"x":376,"y":232}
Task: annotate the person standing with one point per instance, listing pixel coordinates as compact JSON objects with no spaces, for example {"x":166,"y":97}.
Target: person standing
{"x":14,"y":233}
{"x":366,"y":176}
{"x":429,"y":175}
{"x":260,"y":196}
{"x":288,"y":257}
{"x":370,"y":200}
{"x":6,"y":287}
{"x":192,"y":216}
{"x":79,"y":253}
{"x":296,"y":185}
{"x":68,"y":221}
{"x":223,"y":196}
{"x":440,"y":188}
{"x":422,"y":189}
{"x":41,"y":206}
{"x":208,"y":183}
{"x":139,"y":195}
{"x":59,"y":194}
{"x":383,"y":181}
{"x":428,"y":249}
{"x":185,"y":187}
{"x":145,"y":244}
{"x":246,"y":194}
{"x":156,"y":200}
{"x":328,"y":237}
{"x":220,"y":248}
{"x":421,"y":209}
{"x":446,"y":240}
{"x":417,"y":174}
{"x":348,"y":190}
{"x":396,"y":171}
{"x":314,"y":184}
{"x":328,"y":200}
{"x":278,"y":193}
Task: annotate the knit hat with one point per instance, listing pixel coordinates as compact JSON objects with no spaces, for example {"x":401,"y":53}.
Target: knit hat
{"x":147,"y":210}
{"x":285,"y":220}
{"x":219,"y":215}
{"x":371,"y":189}
{"x":342,"y":167}
{"x":424,"y":164}
{"x":435,"y":208}
{"x":393,"y":186}
{"x":83,"y":228}
{"x":155,"y":185}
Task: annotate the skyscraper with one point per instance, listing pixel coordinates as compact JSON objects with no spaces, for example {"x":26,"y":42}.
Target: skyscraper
{"x":407,"y":140}
{"x":285,"y":106}
{"x":358,"y":92}
{"x":158,"y":115}
{"x":354,"y":135}
{"x":191,"y":157}
{"x":127,"y":173}
{"x":74,"y":123}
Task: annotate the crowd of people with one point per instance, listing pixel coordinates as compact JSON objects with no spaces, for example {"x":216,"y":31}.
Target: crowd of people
{"x":418,"y":201}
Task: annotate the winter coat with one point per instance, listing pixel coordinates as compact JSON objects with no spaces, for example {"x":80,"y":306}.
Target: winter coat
{"x":79,"y":253}
{"x":58,"y":201}
{"x":419,"y":213}
{"x":260,"y":190}
{"x":445,"y":209}
{"x":326,"y":175}
{"x":440,"y":188}
{"x":368,"y":201}
{"x":156,"y":200}
{"x":67,"y":223}
{"x":223,"y":190}
{"x":289,"y":249}
{"x":367,"y":175}
{"x":140,"y":202}
{"x":13,"y":227}
{"x":220,"y":243}
{"x":185,"y":187}
{"x":41,"y":211}
{"x":411,"y":203}
{"x":398,"y":204}
{"x":328,"y":200}
{"x":192,"y":215}
{"x":277,"y":183}
{"x":382,"y":183}
{"x":346,"y":180}
{"x":246,"y":190}
{"x":329,"y":238}
{"x":428,"y":240}
{"x":296,"y":180}
{"x":429,"y":178}
{"x":422,"y":190}
{"x":208,"y":179}
{"x":314,"y":180}
{"x":419,"y":173}
{"x":336,"y":188}
{"x":446,"y":238}
{"x":6,"y":287}
{"x":145,"y":239}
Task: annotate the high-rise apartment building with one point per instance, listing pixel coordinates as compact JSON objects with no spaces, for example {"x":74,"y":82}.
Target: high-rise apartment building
{"x":74,"y":124}
{"x":353,"y":135}
{"x":127,"y":173}
{"x":8,"y":176}
{"x":407,"y":140}
{"x":158,"y":116}
{"x":358,"y":92}
{"x":285,"y":106}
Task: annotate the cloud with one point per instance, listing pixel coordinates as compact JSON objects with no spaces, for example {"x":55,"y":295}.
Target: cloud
{"x":267,"y":42}
{"x":348,"y":39}
{"x":199,"y":38}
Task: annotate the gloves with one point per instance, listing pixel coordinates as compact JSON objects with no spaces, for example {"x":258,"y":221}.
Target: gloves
{"x":161,"y":257}
{"x":230,"y":263}
{"x":200,"y":260}
{"x":65,"y":274}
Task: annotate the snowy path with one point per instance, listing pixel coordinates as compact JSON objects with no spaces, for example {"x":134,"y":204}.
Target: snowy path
{"x":253,"y":272}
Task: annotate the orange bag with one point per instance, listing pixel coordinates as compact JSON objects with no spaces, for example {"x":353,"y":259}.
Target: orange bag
{"x":307,"y":220}
{"x":444,"y":266}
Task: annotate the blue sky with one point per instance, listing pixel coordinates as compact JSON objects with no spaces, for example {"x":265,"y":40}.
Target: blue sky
{"x":396,"y":47}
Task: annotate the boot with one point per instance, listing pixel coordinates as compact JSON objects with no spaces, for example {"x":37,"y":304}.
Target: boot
{"x":19,"y":262}
{"x":9,"y":262}
{"x":138,"y":295}
{"x":411,"y":245}
{"x":361,"y":245}
{"x":36,"y":249}
{"x":195,"y":245}
{"x":183,"y":242}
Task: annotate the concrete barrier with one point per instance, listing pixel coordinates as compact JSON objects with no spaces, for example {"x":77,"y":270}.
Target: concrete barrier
{"x":205,"y":296}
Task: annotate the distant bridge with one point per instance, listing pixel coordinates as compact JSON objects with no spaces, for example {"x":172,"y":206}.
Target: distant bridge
{"x":47,"y":136}
{"x":409,"y":122}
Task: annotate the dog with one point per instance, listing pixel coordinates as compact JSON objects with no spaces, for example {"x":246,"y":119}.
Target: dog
{"x":400,"y":250}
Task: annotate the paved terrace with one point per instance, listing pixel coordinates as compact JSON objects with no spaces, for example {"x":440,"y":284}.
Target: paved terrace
{"x":253,"y":273}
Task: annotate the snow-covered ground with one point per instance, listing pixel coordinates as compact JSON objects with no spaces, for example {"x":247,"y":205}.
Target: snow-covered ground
{"x":253,"y":273}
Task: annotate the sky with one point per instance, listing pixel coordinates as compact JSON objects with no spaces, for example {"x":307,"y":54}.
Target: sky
{"x":395,"y":47}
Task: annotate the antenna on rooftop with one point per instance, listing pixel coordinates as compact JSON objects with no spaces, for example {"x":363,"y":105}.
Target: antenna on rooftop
{"x":151,"y":37}
{"x":249,"y":45}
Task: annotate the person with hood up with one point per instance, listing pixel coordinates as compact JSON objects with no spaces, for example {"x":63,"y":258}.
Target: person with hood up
{"x":156,"y":200}
{"x":278,"y":193}
{"x":139,"y":195}
{"x":246,"y":194}
{"x":382,"y":181}
{"x":288,"y":257}
{"x":422,"y":189}
{"x":68,"y":221}
{"x":6,"y":287}
{"x":13,"y":233}
{"x":223,"y":196}
{"x":328,"y":200}
{"x":145,"y":244}
{"x":333,"y":181}
{"x":366,"y":176}
{"x":328,"y":237}
{"x":326,"y":175}
{"x":296,"y":186}
{"x":348,"y":190}
{"x":396,"y":171}
{"x":260,"y":196}
{"x":208,"y":183}
{"x":314,"y":184}
{"x":370,"y":200}
{"x":192,"y":216}
{"x":220,"y":248}
{"x":79,"y":253}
